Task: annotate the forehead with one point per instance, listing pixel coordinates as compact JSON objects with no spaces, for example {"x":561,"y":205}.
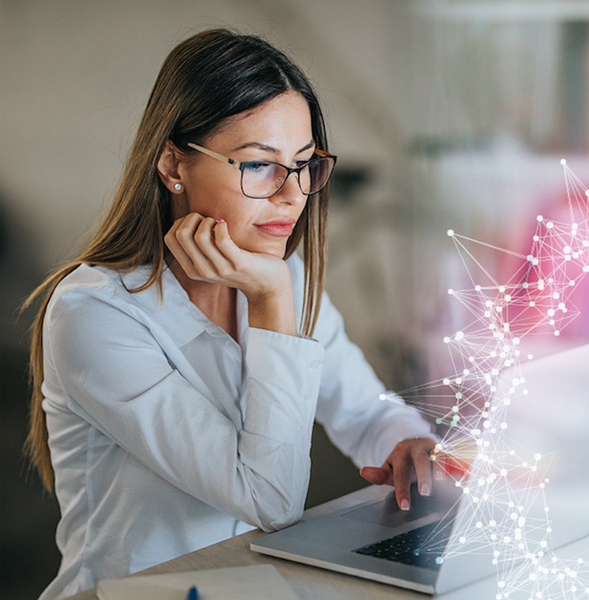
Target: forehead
{"x":283,"y":120}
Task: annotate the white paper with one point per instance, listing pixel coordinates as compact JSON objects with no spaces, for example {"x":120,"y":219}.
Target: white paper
{"x":259,"y":582}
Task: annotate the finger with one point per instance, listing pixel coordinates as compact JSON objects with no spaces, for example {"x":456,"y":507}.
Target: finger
{"x":453,"y":466}
{"x":436,"y":458}
{"x":423,"y":469}
{"x":195,"y":264}
{"x":402,"y":471}
{"x":176,"y":248}
{"x":376,"y":475}
{"x":205,"y":240}
{"x":226,"y":245}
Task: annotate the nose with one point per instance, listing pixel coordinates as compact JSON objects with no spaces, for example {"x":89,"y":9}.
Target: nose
{"x":290,"y":192}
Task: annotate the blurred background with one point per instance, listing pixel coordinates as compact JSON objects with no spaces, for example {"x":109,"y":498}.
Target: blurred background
{"x":445,"y":114}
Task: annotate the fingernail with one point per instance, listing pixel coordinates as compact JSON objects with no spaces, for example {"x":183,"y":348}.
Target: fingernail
{"x":404,"y":504}
{"x":425,"y":489}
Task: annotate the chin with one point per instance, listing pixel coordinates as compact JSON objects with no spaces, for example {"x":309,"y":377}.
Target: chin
{"x":275,"y":248}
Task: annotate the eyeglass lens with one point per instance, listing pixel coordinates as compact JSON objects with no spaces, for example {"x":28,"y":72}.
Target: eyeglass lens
{"x":262,"y":180}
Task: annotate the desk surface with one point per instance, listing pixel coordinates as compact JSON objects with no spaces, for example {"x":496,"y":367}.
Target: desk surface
{"x":309,"y":583}
{"x":312,"y":583}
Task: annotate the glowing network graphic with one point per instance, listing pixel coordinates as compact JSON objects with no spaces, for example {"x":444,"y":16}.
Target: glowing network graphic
{"x":507,"y":518}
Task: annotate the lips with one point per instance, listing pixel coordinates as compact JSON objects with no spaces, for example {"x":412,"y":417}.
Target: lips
{"x":278,"y":227}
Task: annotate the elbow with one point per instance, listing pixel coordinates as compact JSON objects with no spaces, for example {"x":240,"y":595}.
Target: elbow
{"x":274,"y":497}
{"x":286,"y":518}
{"x":279,"y":504}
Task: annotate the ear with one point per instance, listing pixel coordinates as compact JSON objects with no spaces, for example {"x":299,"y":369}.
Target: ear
{"x":167,"y":168}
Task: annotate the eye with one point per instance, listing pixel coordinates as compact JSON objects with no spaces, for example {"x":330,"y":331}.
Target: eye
{"x":301,"y":163}
{"x":256,"y":167}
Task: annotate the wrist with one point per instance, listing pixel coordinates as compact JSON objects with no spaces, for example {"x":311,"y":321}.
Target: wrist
{"x":273,"y":309}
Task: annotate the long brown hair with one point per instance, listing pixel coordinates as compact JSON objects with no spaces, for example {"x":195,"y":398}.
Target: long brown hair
{"x":204,"y":80}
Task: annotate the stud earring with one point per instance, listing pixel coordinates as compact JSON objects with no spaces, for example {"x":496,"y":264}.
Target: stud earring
{"x":177,"y":186}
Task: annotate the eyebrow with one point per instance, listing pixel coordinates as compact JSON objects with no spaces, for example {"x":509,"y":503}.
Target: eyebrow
{"x":267,"y":148}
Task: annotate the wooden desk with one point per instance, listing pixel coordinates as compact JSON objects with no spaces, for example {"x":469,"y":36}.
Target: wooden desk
{"x":309,"y":583}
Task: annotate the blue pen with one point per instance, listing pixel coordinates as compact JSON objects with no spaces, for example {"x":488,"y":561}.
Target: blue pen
{"x":192,"y":593}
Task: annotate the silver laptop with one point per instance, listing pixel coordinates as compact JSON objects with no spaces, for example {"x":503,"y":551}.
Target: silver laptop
{"x":452,"y":538}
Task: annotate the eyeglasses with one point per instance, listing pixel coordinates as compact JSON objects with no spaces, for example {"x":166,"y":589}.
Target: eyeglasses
{"x":262,"y":179}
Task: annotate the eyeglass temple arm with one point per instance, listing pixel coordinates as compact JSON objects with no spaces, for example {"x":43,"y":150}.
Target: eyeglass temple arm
{"x":322,"y":153}
{"x":236,"y":163}
{"x":212,"y":154}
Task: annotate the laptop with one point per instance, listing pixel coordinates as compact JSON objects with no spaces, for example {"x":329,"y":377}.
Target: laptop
{"x":483,"y":524}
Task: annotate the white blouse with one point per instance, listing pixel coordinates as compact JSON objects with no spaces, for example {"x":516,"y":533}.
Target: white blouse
{"x":166,"y":435}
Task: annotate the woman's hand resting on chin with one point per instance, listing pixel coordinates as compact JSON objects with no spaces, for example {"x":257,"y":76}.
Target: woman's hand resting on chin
{"x":204,"y":249}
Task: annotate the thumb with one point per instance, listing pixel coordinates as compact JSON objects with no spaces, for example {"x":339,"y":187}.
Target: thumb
{"x":375,"y":475}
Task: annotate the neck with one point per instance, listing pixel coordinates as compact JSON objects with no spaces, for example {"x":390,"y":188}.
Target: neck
{"x":217,"y":302}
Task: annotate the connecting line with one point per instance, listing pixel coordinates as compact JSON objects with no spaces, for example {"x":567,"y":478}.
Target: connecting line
{"x":503,"y":485}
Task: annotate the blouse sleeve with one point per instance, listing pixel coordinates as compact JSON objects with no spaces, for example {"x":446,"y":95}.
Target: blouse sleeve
{"x":125,"y":385}
{"x":361,"y":425}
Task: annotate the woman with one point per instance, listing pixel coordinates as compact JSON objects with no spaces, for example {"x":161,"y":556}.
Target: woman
{"x":171,"y":384}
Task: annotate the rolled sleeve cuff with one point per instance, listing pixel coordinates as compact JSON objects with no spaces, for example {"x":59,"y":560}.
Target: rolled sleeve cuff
{"x":283,"y":376}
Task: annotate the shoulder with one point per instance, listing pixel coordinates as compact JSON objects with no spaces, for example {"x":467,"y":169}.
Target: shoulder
{"x":103,"y":300}
{"x":85,"y":280}
{"x":91,"y":286}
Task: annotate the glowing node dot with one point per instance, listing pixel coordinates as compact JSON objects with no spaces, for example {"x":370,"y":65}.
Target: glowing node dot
{"x":450,"y":233}
{"x":586,"y":269}
{"x":539,"y":218}
{"x":459,"y":336}
{"x":557,"y":333}
{"x":446,"y":381}
{"x":563,"y":161}
{"x":536,"y":238}
{"x":450,"y":292}
{"x":446,"y":340}
{"x":477,"y":288}
{"x":550,"y":224}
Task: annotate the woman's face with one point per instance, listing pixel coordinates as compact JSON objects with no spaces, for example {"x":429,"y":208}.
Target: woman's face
{"x":279,"y":131}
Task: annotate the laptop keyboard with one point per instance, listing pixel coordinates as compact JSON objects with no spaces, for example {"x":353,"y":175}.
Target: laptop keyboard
{"x":408,"y":548}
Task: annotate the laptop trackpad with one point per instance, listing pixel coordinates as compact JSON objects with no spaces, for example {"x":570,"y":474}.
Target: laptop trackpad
{"x":387,"y":513}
